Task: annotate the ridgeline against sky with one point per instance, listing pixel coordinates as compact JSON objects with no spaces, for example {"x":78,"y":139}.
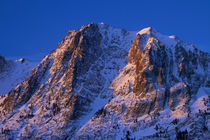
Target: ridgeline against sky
{"x":36,"y":27}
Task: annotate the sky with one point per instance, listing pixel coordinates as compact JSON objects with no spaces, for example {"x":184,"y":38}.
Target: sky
{"x":33,"y":27}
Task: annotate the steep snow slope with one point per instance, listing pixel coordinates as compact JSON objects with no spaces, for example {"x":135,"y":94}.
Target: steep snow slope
{"x":14,"y":72}
{"x":103,"y":82}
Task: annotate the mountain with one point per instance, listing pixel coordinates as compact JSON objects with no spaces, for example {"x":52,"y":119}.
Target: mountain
{"x":107,"y":83}
{"x":12,"y":72}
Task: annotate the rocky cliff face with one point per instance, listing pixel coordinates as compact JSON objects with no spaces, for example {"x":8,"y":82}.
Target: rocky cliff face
{"x":102,"y":82}
{"x":159,"y":83}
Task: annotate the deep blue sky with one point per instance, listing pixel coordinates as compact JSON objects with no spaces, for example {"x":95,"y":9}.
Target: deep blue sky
{"x":36,"y":26}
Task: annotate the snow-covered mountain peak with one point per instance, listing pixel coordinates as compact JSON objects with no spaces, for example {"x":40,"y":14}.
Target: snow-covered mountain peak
{"x":108,"y":83}
{"x":12,"y":72}
{"x":150,"y":34}
{"x":20,"y":60}
{"x":147,"y":30}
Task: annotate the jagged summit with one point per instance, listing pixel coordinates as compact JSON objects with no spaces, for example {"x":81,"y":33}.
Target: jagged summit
{"x":147,"y":30}
{"x":104,"y":82}
{"x":168,"y":41}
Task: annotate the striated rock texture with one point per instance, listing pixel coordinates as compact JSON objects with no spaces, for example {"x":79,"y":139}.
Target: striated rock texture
{"x":55,"y":100}
{"x":107,"y":83}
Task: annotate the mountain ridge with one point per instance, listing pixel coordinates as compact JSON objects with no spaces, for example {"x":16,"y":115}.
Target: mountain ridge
{"x":110,"y":79}
{"x":12,"y":72}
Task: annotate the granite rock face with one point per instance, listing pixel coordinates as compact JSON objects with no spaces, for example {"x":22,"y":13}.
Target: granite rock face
{"x":102,"y":82}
